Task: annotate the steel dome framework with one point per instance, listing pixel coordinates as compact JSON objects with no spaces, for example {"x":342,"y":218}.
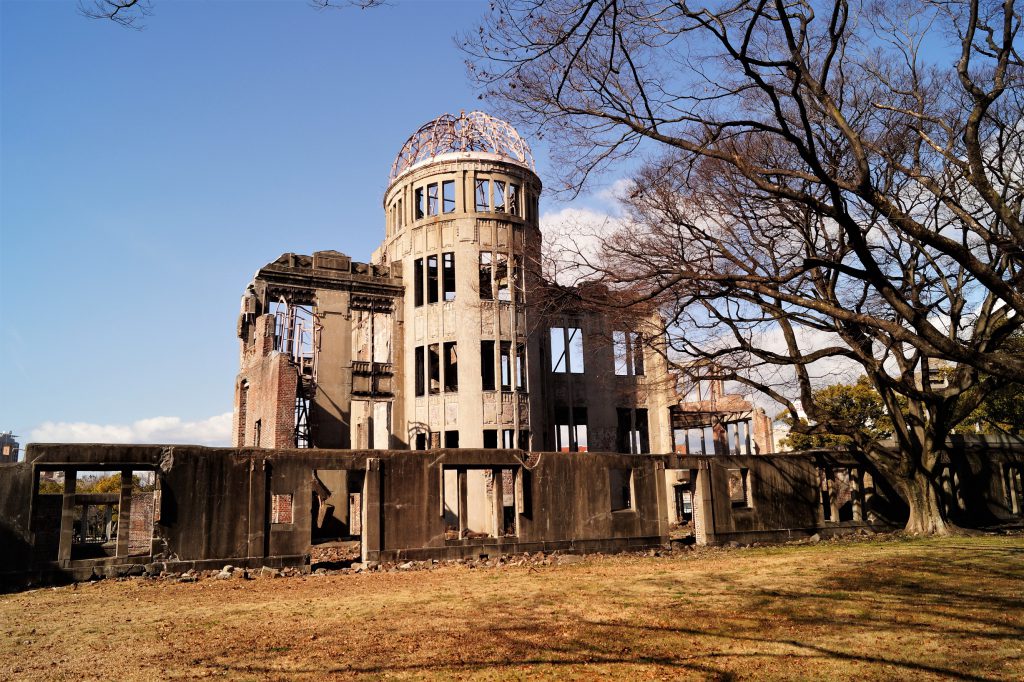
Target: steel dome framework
{"x":472,"y":132}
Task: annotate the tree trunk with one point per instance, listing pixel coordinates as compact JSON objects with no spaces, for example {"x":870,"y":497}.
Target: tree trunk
{"x":927,"y":511}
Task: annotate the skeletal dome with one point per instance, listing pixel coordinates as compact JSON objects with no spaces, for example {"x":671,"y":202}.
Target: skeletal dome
{"x":472,"y":132}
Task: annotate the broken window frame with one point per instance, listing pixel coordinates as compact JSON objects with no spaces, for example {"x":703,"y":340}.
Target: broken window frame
{"x":566,"y":350}
{"x":450,"y":363}
{"x":448,"y":196}
{"x":433,"y":200}
{"x":448,"y":276}
{"x":571,"y":429}
{"x":486,"y":273}
{"x":482,"y":195}
{"x":627,"y":348}
{"x":420,"y":203}
{"x":737,"y":439}
{"x":501,"y":277}
{"x":513,"y":198}
{"x":433,"y":369}
{"x":499,"y":196}
{"x":633,"y":430}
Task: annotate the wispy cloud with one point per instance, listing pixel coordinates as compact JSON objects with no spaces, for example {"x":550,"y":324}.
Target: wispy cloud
{"x":215,"y":430}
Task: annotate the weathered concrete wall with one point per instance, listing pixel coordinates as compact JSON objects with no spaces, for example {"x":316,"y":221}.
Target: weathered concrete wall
{"x":251,"y":507}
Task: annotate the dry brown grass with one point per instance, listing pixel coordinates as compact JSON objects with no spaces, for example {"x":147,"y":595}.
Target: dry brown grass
{"x":930,"y":608}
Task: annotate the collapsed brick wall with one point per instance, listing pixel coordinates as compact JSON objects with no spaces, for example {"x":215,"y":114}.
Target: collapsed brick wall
{"x":272,"y":383}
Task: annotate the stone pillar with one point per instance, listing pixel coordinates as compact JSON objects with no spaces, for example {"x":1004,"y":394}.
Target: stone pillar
{"x":67,"y":518}
{"x":661,"y":495}
{"x":124,"y":514}
{"x":372,"y":518}
{"x":703,"y":506}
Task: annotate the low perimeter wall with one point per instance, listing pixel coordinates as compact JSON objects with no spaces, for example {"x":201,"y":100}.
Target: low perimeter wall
{"x":181,"y":507}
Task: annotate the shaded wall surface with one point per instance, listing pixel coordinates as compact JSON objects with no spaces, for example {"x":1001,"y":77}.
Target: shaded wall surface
{"x":253,"y":507}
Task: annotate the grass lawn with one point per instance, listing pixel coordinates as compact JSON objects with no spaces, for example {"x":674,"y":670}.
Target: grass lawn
{"x":917,"y":609}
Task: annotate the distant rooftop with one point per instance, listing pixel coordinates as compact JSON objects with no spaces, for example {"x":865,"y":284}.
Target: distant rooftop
{"x":472,"y":132}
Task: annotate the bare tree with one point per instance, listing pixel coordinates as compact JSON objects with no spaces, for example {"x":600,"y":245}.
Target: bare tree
{"x":848,"y":173}
{"x":130,"y":13}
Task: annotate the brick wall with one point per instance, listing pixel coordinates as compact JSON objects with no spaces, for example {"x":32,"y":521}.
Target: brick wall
{"x":140,"y":525}
{"x":272,"y":382}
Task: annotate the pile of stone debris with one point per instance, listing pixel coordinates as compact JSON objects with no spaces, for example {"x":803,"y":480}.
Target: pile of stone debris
{"x":325,"y":564}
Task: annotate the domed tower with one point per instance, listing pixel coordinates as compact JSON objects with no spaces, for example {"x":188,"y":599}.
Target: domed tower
{"x":462,"y":219}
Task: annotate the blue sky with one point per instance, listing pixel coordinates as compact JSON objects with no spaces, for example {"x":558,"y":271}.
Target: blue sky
{"x":146,"y":175}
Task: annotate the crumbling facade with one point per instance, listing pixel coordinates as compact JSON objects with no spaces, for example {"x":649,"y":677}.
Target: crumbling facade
{"x":449,"y":337}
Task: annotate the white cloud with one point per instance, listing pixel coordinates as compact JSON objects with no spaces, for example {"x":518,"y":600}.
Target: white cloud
{"x":214,"y":431}
{"x":572,"y":242}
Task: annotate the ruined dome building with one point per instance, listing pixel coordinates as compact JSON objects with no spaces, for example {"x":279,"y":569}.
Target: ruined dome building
{"x":554,"y":425}
{"x":447,"y":338}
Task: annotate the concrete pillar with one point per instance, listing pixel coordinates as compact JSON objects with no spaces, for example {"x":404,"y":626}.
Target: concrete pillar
{"x":661,"y":495}
{"x":373,"y":530}
{"x":124,"y":514}
{"x":463,"y":484}
{"x":67,"y":518}
{"x":498,"y":501}
{"x":703,"y":506}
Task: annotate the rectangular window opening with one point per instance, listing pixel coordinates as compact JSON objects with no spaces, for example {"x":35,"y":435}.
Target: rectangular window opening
{"x":483,"y":196}
{"x":571,"y":429}
{"x":417,"y":266}
{"x":506,"y":366}
{"x":433,"y":369}
{"x":432,"y":279}
{"x":574,"y":342}
{"x":486,"y":293}
{"x":487,"y":365}
{"x":451,"y":367}
{"x":421,"y":204}
{"x":501,"y":277}
{"x":508,"y":503}
{"x":448,"y":196}
{"x":432,"y":199}
{"x":513,"y":199}
{"x":448,"y":276}
{"x":451,"y":439}
{"x":420,"y":372}
{"x":499,"y":196}
{"x":620,"y":484}
{"x":521,"y":367}
{"x":632,"y":431}
{"x":490,"y":438}
{"x":739,"y":488}
{"x":450,"y":507}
